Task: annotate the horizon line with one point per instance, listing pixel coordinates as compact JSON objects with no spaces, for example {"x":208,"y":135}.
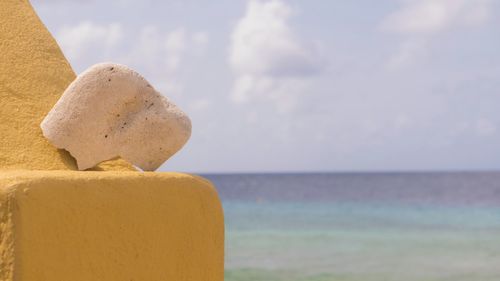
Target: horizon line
{"x":415,"y":171}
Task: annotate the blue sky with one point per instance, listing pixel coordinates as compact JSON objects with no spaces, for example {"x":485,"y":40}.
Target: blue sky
{"x":313,"y":85}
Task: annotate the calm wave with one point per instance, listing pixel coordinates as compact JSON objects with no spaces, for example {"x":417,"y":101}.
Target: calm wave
{"x":387,"y":226}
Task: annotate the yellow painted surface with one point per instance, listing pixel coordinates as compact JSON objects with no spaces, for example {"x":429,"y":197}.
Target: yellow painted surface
{"x":33,"y":75}
{"x":123,"y":226}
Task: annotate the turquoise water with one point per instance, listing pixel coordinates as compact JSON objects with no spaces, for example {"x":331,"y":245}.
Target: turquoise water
{"x":324,"y":234}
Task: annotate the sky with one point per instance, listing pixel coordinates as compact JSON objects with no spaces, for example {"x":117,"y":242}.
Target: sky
{"x":304,"y":86}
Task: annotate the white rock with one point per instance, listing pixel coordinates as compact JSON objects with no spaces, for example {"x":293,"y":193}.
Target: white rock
{"x":109,"y":111}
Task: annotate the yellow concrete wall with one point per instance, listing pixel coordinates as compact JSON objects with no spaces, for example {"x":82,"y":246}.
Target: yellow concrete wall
{"x":33,"y":75}
{"x":107,"y":226}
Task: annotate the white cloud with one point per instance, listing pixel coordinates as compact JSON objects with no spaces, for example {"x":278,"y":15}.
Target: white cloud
{"x":200,"y":104}
{"x":200,"y":41}
{"x":419,"y":20}
{"x":86,"y":37}
{"x":175,"y":44}
{"x":147,"y":47}
{"x":485,"y":127}
{"x":270,"y":62}
{"x":432,"y":16}
{"x":158,"y":53}
{"x":481,"y":127}
{"x":408,"y":53}
{"x":283,"y":92}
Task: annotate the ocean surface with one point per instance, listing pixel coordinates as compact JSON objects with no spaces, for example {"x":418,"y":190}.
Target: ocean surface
{"x":361,"y":226}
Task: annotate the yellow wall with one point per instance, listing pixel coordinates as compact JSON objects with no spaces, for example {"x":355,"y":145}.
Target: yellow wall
{"x":81,"y":226}
{"x":33,"y":75}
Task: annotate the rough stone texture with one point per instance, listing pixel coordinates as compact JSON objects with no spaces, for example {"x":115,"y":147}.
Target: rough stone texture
{"x":109,"y":111}
{"x":110,"y":226}
{"x":33,"y":75}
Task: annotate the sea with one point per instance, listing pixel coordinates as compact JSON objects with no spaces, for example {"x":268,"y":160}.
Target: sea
{"x":361,"y":226}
